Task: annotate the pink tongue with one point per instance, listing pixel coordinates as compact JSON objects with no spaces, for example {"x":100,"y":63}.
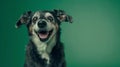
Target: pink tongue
{"x":43,"y":36}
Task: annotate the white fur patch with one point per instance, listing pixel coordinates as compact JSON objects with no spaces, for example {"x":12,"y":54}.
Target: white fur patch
{"x":37,"y":14}
{"x":47,"y":14}
{"x":51,"y":44}
{"x":41,"y":47}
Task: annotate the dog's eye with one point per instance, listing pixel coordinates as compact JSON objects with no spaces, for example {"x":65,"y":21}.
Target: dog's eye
{"x":35,"y":19}
{"x":50,"y":18}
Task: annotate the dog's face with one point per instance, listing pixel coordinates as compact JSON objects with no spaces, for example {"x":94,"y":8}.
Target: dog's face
{"x":43,"y":24}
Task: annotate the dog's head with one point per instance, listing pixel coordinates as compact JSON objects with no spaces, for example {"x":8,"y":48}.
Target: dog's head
{"x":43,"y":24}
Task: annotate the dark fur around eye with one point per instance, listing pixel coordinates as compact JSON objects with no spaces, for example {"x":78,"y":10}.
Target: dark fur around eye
{"x":35,"y":19}
{"x":50,"y":18}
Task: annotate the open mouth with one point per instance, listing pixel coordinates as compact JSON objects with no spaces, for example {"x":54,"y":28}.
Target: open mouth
{"x":44,"y":34}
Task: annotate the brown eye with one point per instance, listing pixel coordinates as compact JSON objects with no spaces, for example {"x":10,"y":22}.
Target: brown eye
{"x":50,"y":18}
{"x":35,"y":19}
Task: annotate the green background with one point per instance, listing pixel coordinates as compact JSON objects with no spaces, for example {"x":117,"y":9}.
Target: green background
{"x":93,"y":40}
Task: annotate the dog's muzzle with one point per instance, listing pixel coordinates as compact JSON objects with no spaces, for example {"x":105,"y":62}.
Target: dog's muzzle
{"x":43,"y":32}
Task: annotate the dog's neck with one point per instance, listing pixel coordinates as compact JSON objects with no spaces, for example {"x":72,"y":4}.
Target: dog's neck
{"x":51,"y":44}
{"x":44,"y":48}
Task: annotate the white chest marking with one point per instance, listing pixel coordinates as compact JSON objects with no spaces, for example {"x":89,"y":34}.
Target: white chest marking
{"x":41,"y":47}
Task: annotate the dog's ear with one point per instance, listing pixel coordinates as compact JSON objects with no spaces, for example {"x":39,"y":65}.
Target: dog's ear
{"x":24,"y":19}
{"x":62,"y":16}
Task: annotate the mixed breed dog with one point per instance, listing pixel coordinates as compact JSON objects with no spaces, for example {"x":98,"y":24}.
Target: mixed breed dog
{"x":45,"y":48}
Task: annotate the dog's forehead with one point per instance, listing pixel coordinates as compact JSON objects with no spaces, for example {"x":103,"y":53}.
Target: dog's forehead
{"x":42,"y":14}
{"x":37,"y":13}
{"x":48,"y":14}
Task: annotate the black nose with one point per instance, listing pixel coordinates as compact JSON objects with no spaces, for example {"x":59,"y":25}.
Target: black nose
{"x":42,"y":24}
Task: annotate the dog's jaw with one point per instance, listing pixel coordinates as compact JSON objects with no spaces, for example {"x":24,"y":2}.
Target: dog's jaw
{"x":43,"y":48}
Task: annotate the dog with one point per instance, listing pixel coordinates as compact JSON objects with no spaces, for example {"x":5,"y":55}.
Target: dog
{"x":45,"y":48}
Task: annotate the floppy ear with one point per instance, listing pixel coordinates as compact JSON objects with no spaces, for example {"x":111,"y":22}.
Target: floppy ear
{"x":24,"y":19}
{"x":62,"y":16}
